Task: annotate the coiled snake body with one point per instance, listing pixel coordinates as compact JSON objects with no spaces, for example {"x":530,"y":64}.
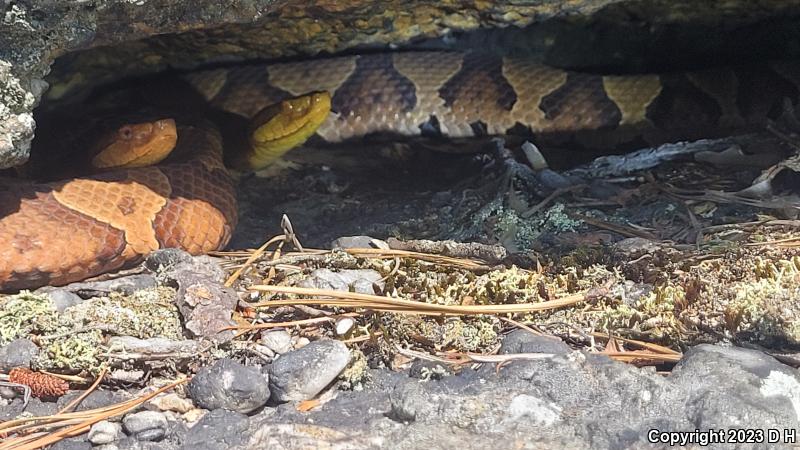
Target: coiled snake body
{"x":72,"y":229}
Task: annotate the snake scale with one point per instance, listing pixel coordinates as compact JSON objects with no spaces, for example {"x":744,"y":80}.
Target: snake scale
{"x":64,"y":231}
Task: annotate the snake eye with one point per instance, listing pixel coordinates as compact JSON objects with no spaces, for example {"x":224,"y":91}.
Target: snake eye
{"x":126,"y":132}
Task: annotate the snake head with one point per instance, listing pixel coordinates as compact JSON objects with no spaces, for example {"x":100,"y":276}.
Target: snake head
{"x":283,"y":126}
{"x":137,"y":144}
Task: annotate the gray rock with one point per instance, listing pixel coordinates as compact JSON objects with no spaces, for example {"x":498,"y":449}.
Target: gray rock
{"x":16,"y":118}
{"x":112,"y":446}
{"x":146,"y":425}
{"x":36,"y":407}
{"x":347,"y":280}
{"x":533,"y":410}
{"x":9,"y":392}
{"x":279,"y":341}
{"x":153,"y":345}
{"x":71,"y":444}
{"x":12,"y":409}
{"x":96,"y":399}
{"x":206,"y":307}
{"x":104,"y":432}
{"x":724,"y":387}
{"x":521,"y":341}
{"x":406,"y":399}
{"x":229,"y":385}
{"x":63,"y":299}
{"x":17,"y":353}
{"x":428,"y":370}
{"x":129,"y":443}
{"x":167,"y":259}
{"x":353,"y":242}
{"x":125,"y":285}
{"x":205,"y":304}
{"x":218,"y":429}
{"x":302,"y":374}
{"x":173,"y":267}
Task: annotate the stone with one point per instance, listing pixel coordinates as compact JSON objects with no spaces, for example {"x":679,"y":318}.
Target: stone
{"x":521,"y":341}
{"x":345,"y":242}
{"x":146,"y":425}
{"x":279,"y":341}
{"x":218,"y":429}
{"x":36,"y":407}
{"x":534,"y":409}
{"x":302,"y":374}
{"x":17,"y":353}
{"x":348,"y":280}
{"x":172,"y":402}
{"x":428,"y":370}
{"x":173,"y":267}
{"x":405,"y":400}
{"x":112,"y":446}
{"x":164,"y":260}
{"x":152,"y":345}
{"x":104,"y":432}
{"x":230,"y":385}
{"x":71,"y":444}
{"x":204,"y":302}
{"x":63,"y":299}
{"x":129,"y":443}
{"x":725,"y":387}
{"x":124,"y":285}
{"x":207,"y":308}
{"x":96,"y":399}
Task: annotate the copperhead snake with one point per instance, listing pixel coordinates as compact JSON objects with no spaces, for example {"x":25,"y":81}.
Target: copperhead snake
{"x":59,"y":232}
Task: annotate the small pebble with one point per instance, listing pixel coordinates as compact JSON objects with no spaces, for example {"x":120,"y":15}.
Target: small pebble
{"x":229,"y":385}
{"x":172,"y":402}
{"x":9,"y":393}
{"x":521,"y":341}
{"x":146,"y":425}
{"x":63,"y":299}
{"x":304,"y":373}
{"x":344,"y":325}
{"x":349,"y":280}
{"x":104,"y":432}
{"x":194,"y":415}
{"x":279,"y":341}
{"x":18,"y":353}
{"x":354,"y":242}
{"x":301,"y":342}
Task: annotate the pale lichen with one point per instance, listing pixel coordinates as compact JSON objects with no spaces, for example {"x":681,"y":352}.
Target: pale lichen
{"x":356,"y":374}
{"x":74,"y":338}
{"x":144,"y":314}
{"x":25,"y":313}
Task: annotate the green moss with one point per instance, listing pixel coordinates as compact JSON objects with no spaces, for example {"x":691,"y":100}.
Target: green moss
{"x":356,"y":374}
{"x":144,"y":314}
{"x":461,"y":334}
{"x":80,"y":351}
{"x":507,"y":286}
{"x":763,"y":309}
{"x":24,"y":314}
{"x":652,"y":315}
{"x":73,"y":339}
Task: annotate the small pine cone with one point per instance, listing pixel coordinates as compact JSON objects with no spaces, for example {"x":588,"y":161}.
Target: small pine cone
{"x":41,"y":384}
